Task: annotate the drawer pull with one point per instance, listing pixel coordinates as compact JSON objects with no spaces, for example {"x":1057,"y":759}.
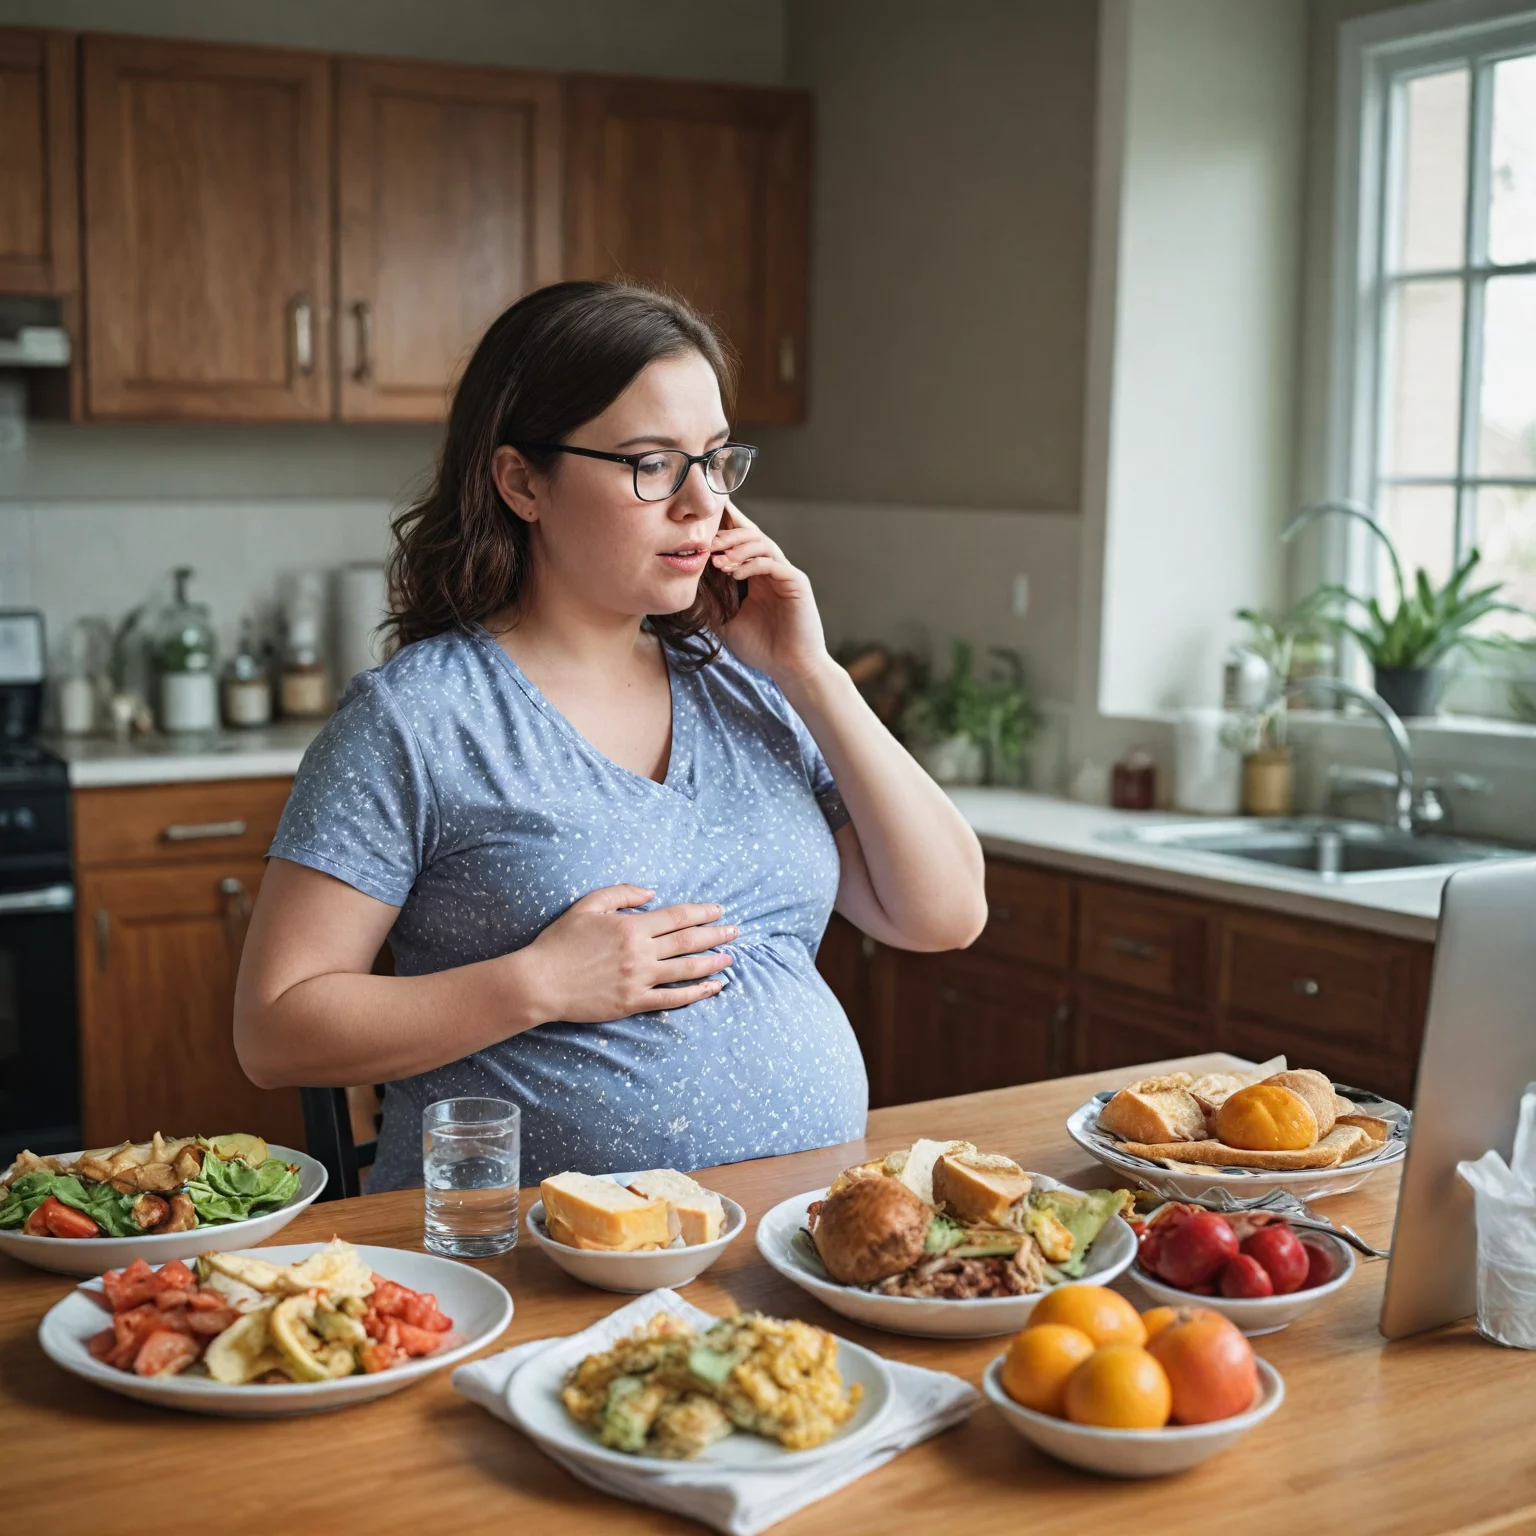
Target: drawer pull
{"x":197,"y":831}
{"x":1137,"y":949}
{"x":1305,"y":986}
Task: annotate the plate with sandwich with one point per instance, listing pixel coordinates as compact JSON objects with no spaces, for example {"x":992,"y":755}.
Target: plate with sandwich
{"x":943,"y":1240}
{"x":633,"y":1232}
{"x":1250,"y":1132}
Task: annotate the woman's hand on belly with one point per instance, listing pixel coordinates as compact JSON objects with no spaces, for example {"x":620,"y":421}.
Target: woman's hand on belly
{"x":597,"y":962}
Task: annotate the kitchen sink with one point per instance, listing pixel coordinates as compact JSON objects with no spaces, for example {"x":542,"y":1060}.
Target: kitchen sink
{"x":1316,"y":845}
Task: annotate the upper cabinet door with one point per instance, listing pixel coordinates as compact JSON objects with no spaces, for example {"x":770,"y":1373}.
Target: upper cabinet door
{"x":706,"y":190}
{"x":39,"y":207}
{"x":450,"y":198}
{"x":207,"y":220}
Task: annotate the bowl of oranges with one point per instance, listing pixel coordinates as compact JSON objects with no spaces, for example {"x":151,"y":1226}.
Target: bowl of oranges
{"x":1095,"y":1383}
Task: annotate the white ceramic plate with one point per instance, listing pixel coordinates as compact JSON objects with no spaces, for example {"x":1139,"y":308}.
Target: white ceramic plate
{"x":479,"y":1307}
{"x":96,"y":1255}
{"x":633,"y":1274}
{"x":1257,"y":1315}
{"x":533,"y":1397}
{"x":1133,"y":1452}
{"x":780,"y":1243}
{"x":1245,"y":1183}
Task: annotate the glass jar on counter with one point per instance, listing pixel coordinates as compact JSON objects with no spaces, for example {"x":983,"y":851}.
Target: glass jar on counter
{"x":185,"y":656}
{"x":247,"y":692}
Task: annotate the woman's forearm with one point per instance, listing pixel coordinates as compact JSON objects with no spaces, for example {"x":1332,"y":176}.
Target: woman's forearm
{"x":924,"y":862}
{"x":340,"y":1028}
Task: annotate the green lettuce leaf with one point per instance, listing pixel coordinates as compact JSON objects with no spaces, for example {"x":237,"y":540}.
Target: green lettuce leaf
{"x":103,"y":1204}
{"x":234,"y":1191}
{"x":1084,"y":1215}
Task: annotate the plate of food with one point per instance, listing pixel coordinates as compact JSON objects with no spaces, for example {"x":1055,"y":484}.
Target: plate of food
{"x":1250,"y":1132}
{"x":945,"y":1241}
{"x":274,"y":1331}
{"x":83,"y":1213}
{"x":743,"y":1393}
{"x":633,"y":1232}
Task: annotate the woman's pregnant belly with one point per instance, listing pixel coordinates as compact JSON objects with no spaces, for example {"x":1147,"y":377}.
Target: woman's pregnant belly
{"x":769,"y":1065}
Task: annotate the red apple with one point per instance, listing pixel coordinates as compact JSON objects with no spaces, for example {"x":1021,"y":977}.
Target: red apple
{"x":1319,"y":1265}
{"x":1194,"y":1251}
{"x":1280,"y":1251}
{"x":1245,"y":1276}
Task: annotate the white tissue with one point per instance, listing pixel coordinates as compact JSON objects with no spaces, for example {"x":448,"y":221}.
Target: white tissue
{"x":1506,"y":1234}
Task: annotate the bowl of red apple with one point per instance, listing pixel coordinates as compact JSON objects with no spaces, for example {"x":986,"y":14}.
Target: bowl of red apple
{"x":1252,"y":1267}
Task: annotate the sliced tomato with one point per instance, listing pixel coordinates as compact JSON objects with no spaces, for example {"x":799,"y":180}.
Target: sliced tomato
{"x":170,"y":1300}
{"x":388,"y":1298}
{"x":102,"y":1344}
{"x":203,"y":1299}
{"x":206,"y":1324}
{"x":165,"y":1353}
{"x":128,"y":1288}
{"x":418,"y":1341}
{"x":65,"y":1221}
{"x":36,"y":1225}
{"x":378,"y":1357}
{"x":174,"y":1276}
{"x":421,"y":1311}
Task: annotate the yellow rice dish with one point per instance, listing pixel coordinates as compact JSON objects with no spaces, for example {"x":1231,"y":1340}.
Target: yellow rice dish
{"x":669,"y":1391}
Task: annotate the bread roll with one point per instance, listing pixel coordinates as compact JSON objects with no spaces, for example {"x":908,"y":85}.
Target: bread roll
{"x":873,"y":1229}
{"x":1155,"y":1109}
{"x":1316,"y":1089}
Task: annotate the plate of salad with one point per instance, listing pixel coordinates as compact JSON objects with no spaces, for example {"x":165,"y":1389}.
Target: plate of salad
{"x":83,"y":1213}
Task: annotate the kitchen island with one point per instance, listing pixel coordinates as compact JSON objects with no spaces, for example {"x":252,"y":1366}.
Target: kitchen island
{"x":1428,"y":1435}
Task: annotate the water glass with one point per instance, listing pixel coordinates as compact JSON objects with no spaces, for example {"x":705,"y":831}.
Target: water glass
{"x":470,"y":1158}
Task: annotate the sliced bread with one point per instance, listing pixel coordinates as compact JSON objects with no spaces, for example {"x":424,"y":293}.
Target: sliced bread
{"x":697,"y":1213}
{"x":1155,"y":1109}
{"x":978,"y":1188}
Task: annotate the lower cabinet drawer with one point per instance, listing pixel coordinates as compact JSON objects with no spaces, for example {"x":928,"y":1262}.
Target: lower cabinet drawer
{"x":1112,"y":1029}
{"x":1029,"y":915}
{"x":1143,"y":939}
{"x":158,"y":823}
{"x":1354,"y":990}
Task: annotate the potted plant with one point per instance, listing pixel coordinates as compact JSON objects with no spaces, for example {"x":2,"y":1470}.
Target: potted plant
{"x":1408,"y":648}
{"x":966,"y":730}
{"x":1259,"y":733}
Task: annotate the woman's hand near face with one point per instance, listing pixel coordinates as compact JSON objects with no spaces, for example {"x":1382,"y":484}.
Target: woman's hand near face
{"x":777,"y":629}
{"x":597,"y":962}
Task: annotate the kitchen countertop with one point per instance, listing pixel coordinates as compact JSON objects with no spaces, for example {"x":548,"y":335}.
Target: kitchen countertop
{"x":1011,"y":823}
{"x":1423,"y":1436}
{"x":1069,"y":835}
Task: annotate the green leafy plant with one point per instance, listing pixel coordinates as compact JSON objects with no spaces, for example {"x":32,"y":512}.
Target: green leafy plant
{"x":996,"y":713}
{"x":1429,"y":623}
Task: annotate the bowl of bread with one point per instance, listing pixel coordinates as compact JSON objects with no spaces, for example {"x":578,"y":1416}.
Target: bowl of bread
{"x":1249,"y":1131}
{"x":633,"y":1232}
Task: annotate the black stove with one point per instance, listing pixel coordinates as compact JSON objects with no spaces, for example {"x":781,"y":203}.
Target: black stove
{"x":39,"y":1031}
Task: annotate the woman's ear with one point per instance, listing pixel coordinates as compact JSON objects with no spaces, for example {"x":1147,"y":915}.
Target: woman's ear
{"x":514,"y":478}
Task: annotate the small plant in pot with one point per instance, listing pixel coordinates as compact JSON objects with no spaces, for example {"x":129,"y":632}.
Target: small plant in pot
{"x":1258,"y":734}
{"x":969,"y":730}
{"x":1410,"y":648}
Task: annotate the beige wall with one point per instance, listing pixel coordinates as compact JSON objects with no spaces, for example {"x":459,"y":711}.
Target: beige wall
{"x":739,"y":40}
{"x":951,"y":248}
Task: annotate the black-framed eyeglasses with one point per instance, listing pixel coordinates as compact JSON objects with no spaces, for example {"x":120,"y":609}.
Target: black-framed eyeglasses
{"x":661,"y":472}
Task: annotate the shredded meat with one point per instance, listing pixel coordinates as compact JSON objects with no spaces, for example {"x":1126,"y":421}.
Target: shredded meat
{"x":959,"y":1279}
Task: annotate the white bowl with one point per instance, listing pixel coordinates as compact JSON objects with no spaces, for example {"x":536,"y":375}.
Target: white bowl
{"x":780,"y":1243}
{"x":1133,"y":1452}
{"x":533,"y":1398}
{"x":632,"y":1274}
{"x":1244,"y":1183}
{"x":479,"y":1307}
{"x":1257,"y":1314}
{"x":96,"y":1255}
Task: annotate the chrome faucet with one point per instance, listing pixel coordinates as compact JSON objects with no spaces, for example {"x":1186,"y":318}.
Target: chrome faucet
{"x":1408,"y":812}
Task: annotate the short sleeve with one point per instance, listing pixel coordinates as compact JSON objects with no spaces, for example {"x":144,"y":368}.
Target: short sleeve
{"x":823,"y":785}
{"x":363,"y":807}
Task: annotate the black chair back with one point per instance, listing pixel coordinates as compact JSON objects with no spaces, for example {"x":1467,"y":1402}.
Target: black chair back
{"x":328,"y":1132}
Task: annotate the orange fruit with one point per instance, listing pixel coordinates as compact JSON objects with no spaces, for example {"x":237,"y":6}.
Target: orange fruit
{"x":1266,"y":1117}
{"x":1104,"y":1315}
{"x":1119,"y":1387}
{"x":1158,"y":1318}
{"x":1038,"y":1363}
{"x":1210,"y":1369}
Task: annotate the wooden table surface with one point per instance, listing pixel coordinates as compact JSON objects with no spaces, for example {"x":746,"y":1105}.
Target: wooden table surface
{"x":1426,"y":1435}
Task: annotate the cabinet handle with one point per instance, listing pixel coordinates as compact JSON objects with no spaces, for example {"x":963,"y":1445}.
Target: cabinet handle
{"x":1137,"y":949}
{"x":866,"y":946}
{"x":102,"y":921}
{"x":1304,"y":986}
{"x":786,"y":359}
{"x":303,"y":334}
{"x":237,"y":911}
{"x":362,"y":369}
{"x":196,"y":831}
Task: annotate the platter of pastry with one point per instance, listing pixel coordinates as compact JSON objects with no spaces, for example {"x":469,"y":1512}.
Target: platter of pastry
{"x":1250,"y":1132}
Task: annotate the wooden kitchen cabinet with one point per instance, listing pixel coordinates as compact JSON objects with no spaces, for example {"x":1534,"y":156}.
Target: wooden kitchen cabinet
{"x":704,"y":189}
{"x":450,"y":209}
{"x":207,"y":225}
{"x":1111,"y":1029}
{"x":39,"y":205}
{"x":160,"y":926}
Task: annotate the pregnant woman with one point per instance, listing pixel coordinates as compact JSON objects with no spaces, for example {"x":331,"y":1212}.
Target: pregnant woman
{"x":604,"y":796}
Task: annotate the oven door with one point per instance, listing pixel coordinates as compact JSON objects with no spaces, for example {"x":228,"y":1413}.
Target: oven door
{"x":39,"y":1033}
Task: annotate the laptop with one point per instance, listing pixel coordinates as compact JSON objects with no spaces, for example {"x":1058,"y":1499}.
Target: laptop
{"x":1479,"y":1053}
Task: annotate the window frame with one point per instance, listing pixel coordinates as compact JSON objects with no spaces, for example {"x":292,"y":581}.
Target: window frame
{"x":1375,"y":53}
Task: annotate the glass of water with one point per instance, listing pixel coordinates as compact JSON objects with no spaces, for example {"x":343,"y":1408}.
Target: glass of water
{"x":470,"y":1160}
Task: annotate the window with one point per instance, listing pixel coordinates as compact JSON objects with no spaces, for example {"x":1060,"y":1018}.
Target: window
{"x":1443,"y":421}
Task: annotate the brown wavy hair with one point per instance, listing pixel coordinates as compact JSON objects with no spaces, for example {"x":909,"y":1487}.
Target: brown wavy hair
{"x":550,"y":363}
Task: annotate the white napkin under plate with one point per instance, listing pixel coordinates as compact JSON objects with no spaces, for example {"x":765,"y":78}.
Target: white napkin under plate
{"x":739,"y":1503}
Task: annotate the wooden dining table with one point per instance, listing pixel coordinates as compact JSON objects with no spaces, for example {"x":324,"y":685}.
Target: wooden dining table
{"x":1430,"y":1434}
